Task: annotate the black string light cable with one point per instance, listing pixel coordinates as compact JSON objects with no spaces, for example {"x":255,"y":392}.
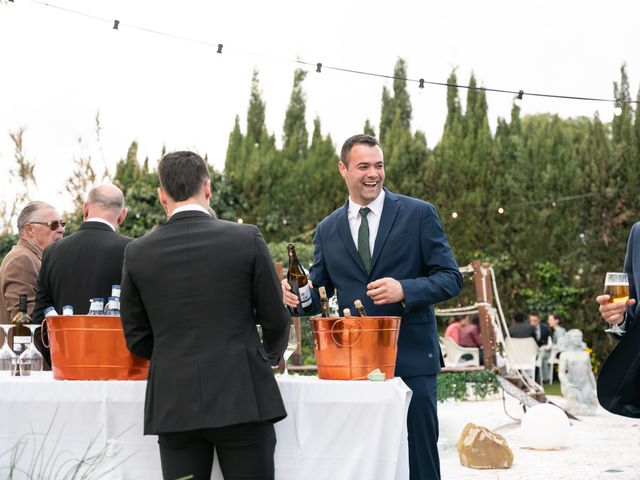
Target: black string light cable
{"x":116,"y":24}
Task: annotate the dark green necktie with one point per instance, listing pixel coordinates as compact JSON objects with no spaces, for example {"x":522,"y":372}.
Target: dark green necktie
{"x":363,"y":239}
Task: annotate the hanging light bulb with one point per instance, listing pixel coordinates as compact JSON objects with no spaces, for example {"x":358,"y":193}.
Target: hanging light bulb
{"x":454,"y":215}
{"x":500,"y":210}
{"x":518,"y":100}
{"x":617,"y":110}
{"x":420,"y":86}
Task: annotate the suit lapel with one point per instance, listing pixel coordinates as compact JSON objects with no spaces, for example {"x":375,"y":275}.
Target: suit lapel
{"x":389,"y":214}
{"x":345,"y":235}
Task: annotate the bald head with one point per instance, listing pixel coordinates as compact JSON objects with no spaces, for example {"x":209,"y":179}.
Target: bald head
{"x":107,"y":202}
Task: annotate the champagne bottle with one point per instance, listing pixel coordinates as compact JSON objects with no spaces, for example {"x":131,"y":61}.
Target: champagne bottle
{"x":299,"y":283}
{"x":324,"y":302}
{"x":346,"y":312}
{"x":21,"y":334}
{"x":360,"y":308}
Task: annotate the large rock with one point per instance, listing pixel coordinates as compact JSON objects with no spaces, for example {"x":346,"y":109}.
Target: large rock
{"x":478,"y":447}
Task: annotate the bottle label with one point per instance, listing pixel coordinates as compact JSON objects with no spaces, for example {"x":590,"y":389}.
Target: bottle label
{"x":305,"y":296}
{"x":20,"y":344}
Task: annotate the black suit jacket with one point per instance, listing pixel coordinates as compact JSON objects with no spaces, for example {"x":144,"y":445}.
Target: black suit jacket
{"x":193,"y":291}
{"x":79,"y":267}
{"x":522,"y":330}
{"x":619,"y":378}
{"x":544,"y":334}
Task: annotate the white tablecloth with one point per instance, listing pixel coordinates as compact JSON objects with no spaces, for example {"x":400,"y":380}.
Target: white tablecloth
{"x":336,"y":430}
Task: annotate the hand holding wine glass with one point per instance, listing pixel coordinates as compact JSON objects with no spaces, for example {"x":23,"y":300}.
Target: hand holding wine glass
{"x":615,"y":300}
{"x":292,"y":345}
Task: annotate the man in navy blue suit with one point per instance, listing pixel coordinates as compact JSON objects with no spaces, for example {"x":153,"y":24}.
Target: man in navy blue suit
{"x":391,"y":252}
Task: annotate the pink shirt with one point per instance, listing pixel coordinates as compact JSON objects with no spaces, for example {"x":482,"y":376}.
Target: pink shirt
{"x":470,"y":336}
{"x":453,"y":331}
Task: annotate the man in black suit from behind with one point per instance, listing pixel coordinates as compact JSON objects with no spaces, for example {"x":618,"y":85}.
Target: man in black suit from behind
{"x":88,"y":262}
{"x":193,"y":291}
{"x":520,"y":328}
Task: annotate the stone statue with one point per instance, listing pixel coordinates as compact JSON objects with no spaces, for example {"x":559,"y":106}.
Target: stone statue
{"x":577,"y":382}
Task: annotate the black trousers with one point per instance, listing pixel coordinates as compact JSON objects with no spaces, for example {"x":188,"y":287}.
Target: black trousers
{"x":244,"y":451}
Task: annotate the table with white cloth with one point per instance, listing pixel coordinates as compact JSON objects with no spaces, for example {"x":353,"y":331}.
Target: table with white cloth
{"x":339,"y":430}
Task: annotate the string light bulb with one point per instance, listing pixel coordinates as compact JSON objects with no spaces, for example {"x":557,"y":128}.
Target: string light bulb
{"x":420,"y":86}
{"x":617,"y":110}
{"x":318,"y":67}
{"x":500,"y":210}
{"x":454,"y":215}
{"x":518,"y":100}
{"x":116,"y":24}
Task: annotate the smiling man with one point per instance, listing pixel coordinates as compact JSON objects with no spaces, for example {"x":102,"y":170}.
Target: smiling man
{"x":391,"y":252}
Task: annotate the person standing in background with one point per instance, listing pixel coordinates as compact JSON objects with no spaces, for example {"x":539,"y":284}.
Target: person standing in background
{"x":86,"y":263}
{"x":39,"y":225}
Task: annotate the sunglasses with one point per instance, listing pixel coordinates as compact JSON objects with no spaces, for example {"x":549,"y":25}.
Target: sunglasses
{"x":53,"y":225}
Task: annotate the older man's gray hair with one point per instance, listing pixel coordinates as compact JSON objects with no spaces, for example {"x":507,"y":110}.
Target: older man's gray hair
{"x":31,"y":213}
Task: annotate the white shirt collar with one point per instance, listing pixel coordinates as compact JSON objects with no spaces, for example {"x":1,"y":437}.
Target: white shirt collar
{"x":100,"y":220}
{"x":375,"y":206}
{"x":191,"y":207}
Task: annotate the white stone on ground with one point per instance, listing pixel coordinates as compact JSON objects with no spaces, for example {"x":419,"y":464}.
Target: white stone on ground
{"x":602,"y":447}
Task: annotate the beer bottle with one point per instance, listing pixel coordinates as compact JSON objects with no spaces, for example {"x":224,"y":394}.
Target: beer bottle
{"x":297,"y":279}
{"x":346,"y":312}
{"x":360,"y":308}
{"x":21,"y":335}
{"x":324,"y":302}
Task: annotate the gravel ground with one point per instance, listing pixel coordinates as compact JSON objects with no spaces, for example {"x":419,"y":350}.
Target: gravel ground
{"x":604,"y":446}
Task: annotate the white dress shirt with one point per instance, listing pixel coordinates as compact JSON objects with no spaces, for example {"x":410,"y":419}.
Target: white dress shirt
{"x":100,"y":220}
{"x":191,"y":207}
{"x":373,"y":218}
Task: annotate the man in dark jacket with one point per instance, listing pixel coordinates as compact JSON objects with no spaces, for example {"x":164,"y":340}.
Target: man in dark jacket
{"x":193,"y":291}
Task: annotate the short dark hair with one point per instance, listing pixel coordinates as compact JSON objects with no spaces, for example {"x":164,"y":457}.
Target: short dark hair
{"x":182,"y":174}
{"x":360,"y":139}
{"x":556,"y":316}
{"x":519,"y":317}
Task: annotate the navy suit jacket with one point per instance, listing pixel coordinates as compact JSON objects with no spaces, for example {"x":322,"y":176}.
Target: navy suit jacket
{"x":619,"y":378}
{"x":411,"y":246}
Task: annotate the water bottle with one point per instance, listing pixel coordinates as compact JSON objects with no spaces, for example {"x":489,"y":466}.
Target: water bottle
{"x":50,"y":312}
{"x":113,"y":306}
{"x":67,"y":310}
{"x":97,"y":306}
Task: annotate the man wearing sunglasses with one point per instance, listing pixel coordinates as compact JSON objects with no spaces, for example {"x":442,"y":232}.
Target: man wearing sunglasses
{"x":86,"y":263}
{"x":38,"y":227}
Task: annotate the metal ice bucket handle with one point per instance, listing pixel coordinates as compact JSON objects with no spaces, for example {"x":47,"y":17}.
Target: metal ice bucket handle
{"x":335,"y":335}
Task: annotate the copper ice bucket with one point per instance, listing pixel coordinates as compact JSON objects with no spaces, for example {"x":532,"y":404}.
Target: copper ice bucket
{"x":92,"y":347}
{"x":349,"y":348}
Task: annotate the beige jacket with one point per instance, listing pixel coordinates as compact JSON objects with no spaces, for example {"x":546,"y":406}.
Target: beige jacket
{"x":19,"y":274}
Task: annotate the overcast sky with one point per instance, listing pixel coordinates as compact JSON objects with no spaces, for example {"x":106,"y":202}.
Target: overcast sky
{"x":60,"y":69}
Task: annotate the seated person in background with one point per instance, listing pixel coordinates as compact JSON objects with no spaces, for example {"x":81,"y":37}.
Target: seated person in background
{"x":455,"y":327}
{"x":520,"y":328}
{"x":470,"y":334}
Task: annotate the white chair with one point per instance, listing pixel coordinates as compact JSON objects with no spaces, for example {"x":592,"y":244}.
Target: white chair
{"x":523,"y":354}
{"x":453,"y":353}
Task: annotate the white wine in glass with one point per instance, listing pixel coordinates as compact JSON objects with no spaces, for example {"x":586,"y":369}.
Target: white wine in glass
{"x":616,"y":285}
{"x":292,"y":345}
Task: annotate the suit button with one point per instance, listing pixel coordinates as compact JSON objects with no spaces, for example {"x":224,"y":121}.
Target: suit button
{"x":431,"y":355}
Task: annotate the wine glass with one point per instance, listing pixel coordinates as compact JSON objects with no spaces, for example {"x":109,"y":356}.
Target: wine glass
{"x":616,"y":285}
{"x":31,"y":360}
{"x":8,"y":359}
{"x":292,"y":345}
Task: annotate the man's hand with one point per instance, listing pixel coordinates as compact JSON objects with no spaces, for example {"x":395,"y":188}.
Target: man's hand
{"x":612,"y":313}
{"x":385,"y":290}
{"x":288,"y":297}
